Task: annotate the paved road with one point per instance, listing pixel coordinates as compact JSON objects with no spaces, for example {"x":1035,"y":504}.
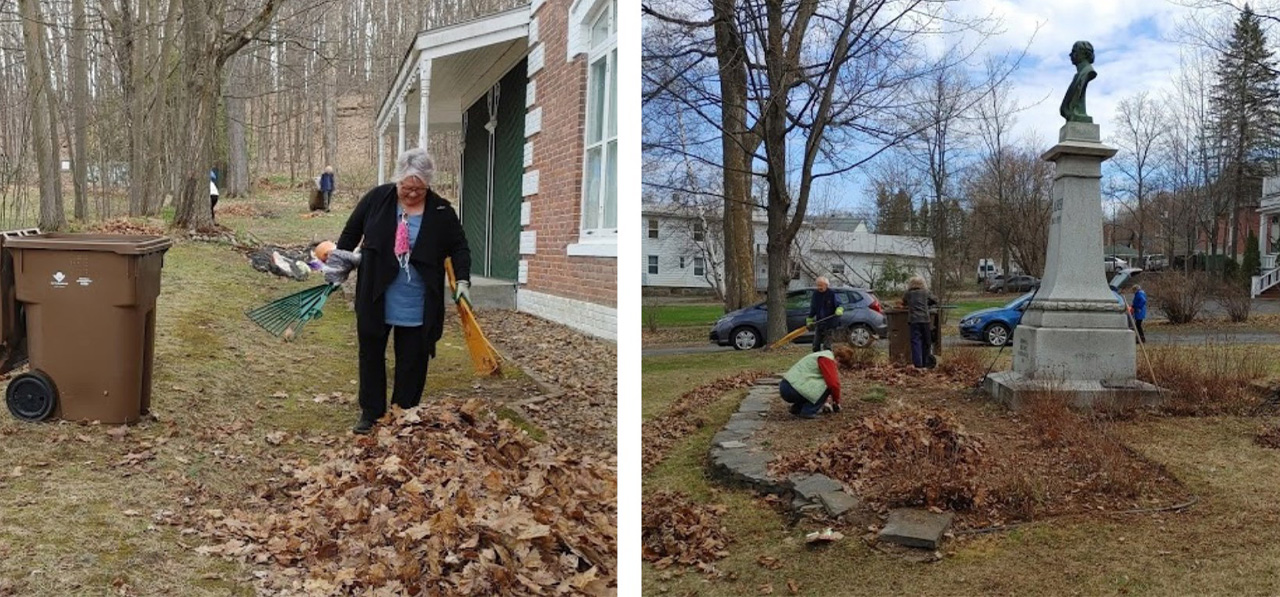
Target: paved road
{"x":1154,"y":337}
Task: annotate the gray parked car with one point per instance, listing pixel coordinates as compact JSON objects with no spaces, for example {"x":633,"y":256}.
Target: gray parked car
{"x":863,"y":320}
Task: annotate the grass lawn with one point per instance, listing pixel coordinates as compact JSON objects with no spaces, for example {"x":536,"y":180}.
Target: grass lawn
{"x":666,"y":316}
{"x":1227,"y":544}
{"x":76,"y":521}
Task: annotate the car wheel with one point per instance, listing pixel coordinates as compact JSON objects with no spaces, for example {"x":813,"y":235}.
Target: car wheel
{"x":745,"y":338}
{"x":861,"y":336}
{"x":997,"y":334}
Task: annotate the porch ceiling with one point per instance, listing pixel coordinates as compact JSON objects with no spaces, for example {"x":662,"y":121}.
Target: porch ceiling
{"x":466,"y":59}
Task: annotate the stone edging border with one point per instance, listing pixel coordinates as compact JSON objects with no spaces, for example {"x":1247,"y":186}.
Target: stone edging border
{"x":736,"y":458}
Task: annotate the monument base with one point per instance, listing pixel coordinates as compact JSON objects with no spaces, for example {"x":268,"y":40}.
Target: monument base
{"x":1013,"y":390}
{"x":1071,"y":353}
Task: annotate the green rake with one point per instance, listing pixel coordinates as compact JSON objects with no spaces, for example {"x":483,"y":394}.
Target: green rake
{"x":284,"y":317}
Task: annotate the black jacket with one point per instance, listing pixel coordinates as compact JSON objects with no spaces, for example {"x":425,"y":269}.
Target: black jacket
{"x":823,"y":304}
{"x":441,"y":235}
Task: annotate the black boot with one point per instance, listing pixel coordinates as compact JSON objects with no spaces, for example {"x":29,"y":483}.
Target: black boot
{"x":363,"y":426}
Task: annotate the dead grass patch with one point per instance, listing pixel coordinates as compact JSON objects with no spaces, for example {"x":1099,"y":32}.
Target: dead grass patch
{"x":1213,"y":378}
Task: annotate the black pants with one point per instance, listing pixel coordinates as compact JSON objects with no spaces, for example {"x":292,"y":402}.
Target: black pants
{"x":411,"y":369}
{"x":821,"y":331}
{"x":1142,"y":336}
{"x":213,"y":202}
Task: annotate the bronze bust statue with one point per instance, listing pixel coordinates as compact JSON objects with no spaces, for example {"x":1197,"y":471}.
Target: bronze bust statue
{"x":1073,"y":103}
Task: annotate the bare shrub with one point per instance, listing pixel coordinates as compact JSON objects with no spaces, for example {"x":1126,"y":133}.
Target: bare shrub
{"x":1105,"y":464}
{"x":1235,"y":298}
{"x":966,"y":365}
{"x":1178,"y":296}
{"x":1210,"y":379}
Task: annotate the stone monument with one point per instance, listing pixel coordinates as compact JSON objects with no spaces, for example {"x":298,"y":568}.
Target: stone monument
{"x":1074,"y":336}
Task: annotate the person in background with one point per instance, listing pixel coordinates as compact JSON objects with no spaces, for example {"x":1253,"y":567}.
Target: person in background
{"x":814,"y":380}
{"x":1139,"y":311}
{"x":326,"y":186}
{"x":213,"y":200}
{"x":822,"y":309}
{"x":917,"y":300}
{"x":406,"y":231}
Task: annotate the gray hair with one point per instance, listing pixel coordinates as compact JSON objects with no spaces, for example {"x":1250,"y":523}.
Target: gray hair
{"x":415,"y":162}
{"x":916,"y":283}
{"x":822,"y":280}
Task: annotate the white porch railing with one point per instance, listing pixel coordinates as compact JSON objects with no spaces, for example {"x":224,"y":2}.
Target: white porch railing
{"x":1268,"y":262}
{"x":1269,"y":278}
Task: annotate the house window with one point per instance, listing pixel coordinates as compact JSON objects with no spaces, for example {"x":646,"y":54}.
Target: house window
{"x":653,"y":264}
{"x":600,"y":195}
{"x":699,"y":266}
{"x":653,"y":229}
{"x":699,"y":231}
{"x":682,"y":262}
{"x":837,"y":269}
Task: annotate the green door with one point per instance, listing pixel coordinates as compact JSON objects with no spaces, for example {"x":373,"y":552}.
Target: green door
{"x":493,"y":177}
{"x":508,"y":175}
{"x":475,"y":185}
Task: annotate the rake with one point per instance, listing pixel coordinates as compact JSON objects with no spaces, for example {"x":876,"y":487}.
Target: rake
{"x":284,"y":317}
{"x":484,"y":357}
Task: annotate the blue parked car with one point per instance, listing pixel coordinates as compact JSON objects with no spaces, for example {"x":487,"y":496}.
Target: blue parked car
{"x":995,"y":326}
{"x":863,"y":320}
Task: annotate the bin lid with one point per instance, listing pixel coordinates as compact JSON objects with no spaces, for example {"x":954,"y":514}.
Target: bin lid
{"x":123,"y":244}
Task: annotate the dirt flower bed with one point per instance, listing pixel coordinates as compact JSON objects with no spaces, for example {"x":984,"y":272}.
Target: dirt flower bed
{"x":1268,"y":437}
{"x":686,"y":416}
{"x":676,"y":530}
{"x":446,"y":499}
{"x":920,"y":439}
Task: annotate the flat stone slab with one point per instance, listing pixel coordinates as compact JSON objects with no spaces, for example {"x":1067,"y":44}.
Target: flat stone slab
{"x":812,"y":486}
{"x":1012,"y":389}
{"x":916,"y":528}
{"x":756,"y":403}
{"x":768,"y":381}
{"x":743,"y":425}
{"x":732,"y":445}
{"x":725,"y":435}
{"x":838,"y":502}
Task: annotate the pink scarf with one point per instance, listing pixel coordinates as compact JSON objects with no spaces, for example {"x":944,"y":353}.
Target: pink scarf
{"x":402,"y":242}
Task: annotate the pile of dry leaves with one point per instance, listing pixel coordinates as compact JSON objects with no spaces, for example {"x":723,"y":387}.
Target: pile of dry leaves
{"x":581,"y":372}
{"x":903,"y":456}
{"x":446,"y":499}
{"x":686,"y":415}
{"x":675,"y":530}
{"x":1268,"y":437}
{"x":127,"y":226}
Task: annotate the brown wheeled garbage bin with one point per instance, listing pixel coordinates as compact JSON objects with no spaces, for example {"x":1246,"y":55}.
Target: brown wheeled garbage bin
{"x":90,"y":305}
{"x":900,"y":335}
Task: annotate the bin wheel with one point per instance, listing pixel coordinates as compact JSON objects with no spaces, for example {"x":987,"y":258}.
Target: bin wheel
{"x":31,"y":396}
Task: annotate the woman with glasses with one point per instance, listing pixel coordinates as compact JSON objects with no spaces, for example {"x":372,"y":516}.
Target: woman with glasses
{"x":405,"y":231}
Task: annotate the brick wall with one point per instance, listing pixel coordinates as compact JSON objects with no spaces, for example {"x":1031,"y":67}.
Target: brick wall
{"x":559,"y":92}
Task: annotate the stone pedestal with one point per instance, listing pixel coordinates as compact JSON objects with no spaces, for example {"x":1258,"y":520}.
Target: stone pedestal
{"x":1074,"y":335}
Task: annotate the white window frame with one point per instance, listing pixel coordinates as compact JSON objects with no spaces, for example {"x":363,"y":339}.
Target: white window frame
{"x":653,"y":229}
{"x":682,"y":262}
{"x":699,"y":231}
{"x":837,"y":269}
{"x":699,"y":266}
{"x":652,"y":265}
{"x":598,"y":242}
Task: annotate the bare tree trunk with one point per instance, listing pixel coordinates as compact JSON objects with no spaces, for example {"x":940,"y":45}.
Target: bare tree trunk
{"x":236,"y":183}
{"x":329,"y":95}
{"x":43,"y":118}
{"x":80,"y":105}
{"x":737,"y":144}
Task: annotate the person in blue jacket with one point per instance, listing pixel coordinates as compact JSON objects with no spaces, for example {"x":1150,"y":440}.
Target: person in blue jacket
{"x":1139,"y":311}
{"x":326,"y":186}
{"x":823,"y":306}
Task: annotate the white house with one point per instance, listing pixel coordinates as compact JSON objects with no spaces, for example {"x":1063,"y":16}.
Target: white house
{"x":682,"y":248}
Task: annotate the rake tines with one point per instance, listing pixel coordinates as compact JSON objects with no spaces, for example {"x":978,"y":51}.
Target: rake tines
{"x":285,"y":316}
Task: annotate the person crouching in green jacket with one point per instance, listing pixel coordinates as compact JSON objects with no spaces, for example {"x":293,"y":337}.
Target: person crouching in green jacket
{"x":814,"y":380}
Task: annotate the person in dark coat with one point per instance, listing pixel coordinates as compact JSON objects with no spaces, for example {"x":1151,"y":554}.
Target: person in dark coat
{"x":917,"y":300}
{"x":823,"y":306}
{"x":405,"y":231}
{"x":327,"y":186}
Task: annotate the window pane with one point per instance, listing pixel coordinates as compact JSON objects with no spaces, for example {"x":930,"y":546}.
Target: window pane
{"x":613,"y":94}
{"x":611,"y":186}
{"x":600,"y":29}
{"x":591,"y":203}
{"x":597,"y":79}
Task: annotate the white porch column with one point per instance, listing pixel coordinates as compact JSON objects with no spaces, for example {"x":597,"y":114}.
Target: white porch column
{"x":1263,"y":220}
{"x":382,"y":156}
{"x":424,"y":95}
{"x":400,"y":108}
